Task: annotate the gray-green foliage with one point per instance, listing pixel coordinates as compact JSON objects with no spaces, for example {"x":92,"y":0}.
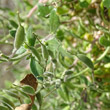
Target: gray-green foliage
{"x":66,"y":48}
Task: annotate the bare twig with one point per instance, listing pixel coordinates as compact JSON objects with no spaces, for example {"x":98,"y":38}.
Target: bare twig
{"x":49,"y":93}
{"x":32,"y":11}
{"x":35,"y":8}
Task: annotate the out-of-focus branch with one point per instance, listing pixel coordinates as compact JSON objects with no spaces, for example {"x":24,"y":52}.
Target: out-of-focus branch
{"x":35,"y":8}
{"x":74,"y":63}
{"x":32,"y":11}
{"x":93,"y":42}
{"x":70,"y":21}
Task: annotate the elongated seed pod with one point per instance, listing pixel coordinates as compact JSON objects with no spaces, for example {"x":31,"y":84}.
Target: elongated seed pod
{"x":45,"y":53}
{"x":34,"y":52}
{"x":18,"y":57}
{"x":19,"y":37}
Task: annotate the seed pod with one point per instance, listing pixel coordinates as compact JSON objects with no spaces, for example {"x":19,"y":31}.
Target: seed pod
{"x":18,"y":57}
{"x":20,"y":36}
{"x":45,"y":53}
{"x":34,"y":52}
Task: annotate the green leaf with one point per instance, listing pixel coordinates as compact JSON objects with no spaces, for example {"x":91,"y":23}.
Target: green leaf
{"x":10,"y":93}
{"x":43,"y":11}
{"x":67,"y":107}
{"x":106,"y":3}
{"x":53,"y":44}
{"x":62,"y":10}
{"x":64,"y":52}
{"x":21,"y":50}
{"x":30,"y":38}
{"x":35,"y":67}
{"x":84,"y":3}
{"x":45,"y":53}
{"x":61,"y":61}
{"x":13,"y":23}
{"x":28,"y":3}
{"x":73,"y":34}
{"x":8,"y":106}
{"x":54,"y":21}
{"x":62,"y":94}
{"x":3,"y":107}
{"x":104,"y":41}
{"x":68,"y":72}
{"x":69,"y":85}
{"x":60,"y":35}
{"x":34,"y":52}
{"x":86,"y":60}
{"x":21,"y":92}
{"x":28,"y":90}
{"x":65,"y":90}
{"x":7,"y":101}
{"x":39,"y":98}
{"x":12,"y":33}
{"x":102,"y":28}
{"x":34,"y":107}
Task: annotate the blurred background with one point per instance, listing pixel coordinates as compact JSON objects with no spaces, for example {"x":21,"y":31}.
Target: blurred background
{"x":6,"y":74}
{"x":87,"y":43}
{"x":8,"y":9}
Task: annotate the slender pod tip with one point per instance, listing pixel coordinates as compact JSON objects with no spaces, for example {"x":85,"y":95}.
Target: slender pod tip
{"x":18,"y":18}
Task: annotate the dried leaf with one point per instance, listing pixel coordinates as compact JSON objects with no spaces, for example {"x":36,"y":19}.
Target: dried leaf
{"x":24,"y":107}
{"x":30,"y":80}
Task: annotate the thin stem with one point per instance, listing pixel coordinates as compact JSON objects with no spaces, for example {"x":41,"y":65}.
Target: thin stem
{"x":32,"y":11}
{"x":18,"y":18}
{"x":77,"y":37}
{"x":35,"y":8}
{"x":74,"y":63}
{"x":93,"y":77}
{"x":36,"y":36}
{"x":8,"y":43}
{"x":49,"y":93}
{"x":20,"y":100}
{"x":27,"y":44}
{"x":13,"y":53}
{"x":78,"y":74}
{"x":5,"y":38}
{"x":100,"y":58}
{"x":92,"y":44}
{"x":19,"y":57}
{"x":103,"y":55}
{"x":3,"y":60}
{"x":39,"y":90}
